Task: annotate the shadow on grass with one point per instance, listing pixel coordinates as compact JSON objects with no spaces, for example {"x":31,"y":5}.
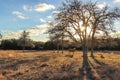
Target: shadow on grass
{"x":103,"y":69}
{"x":12,"y":63}
{"x":98,"y":62}
{"x":87,"y":70}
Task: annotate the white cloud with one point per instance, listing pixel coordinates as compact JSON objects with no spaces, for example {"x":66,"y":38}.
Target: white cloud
{"x":5,"y":31}
{"x":15,"y":35}
{"x":42,"y":20}
{"x":38,"y":29}
{"x":42,"y":27}
{"x":22,"y":17}
{"x":102,"y":5}
{"x":19,"y":15}
{"x":26,"y":8}
{"x":55,"y":12}
{"x":44,"y":7}
{"x":50,"y":17}
{"x":36,"y":33}
{"x":117,"y":1}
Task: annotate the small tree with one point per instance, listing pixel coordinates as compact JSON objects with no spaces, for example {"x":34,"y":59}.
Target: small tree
{"x":56,"y":34}
{"x":24,"y":39}
{"x":0,"y":38}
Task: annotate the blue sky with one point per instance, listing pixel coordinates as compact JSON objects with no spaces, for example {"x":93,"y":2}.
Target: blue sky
{"x":33,"y":16}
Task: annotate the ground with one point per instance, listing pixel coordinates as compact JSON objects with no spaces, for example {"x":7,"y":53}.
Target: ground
{"x":49,"y":65}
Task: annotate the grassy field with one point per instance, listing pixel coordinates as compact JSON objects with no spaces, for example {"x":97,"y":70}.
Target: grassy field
{"x":48,"y":65}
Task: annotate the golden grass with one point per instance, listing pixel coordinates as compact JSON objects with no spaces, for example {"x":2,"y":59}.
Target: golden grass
{"x":46,"y":65}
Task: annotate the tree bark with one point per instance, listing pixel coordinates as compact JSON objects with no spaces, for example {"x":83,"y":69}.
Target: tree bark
{"x":92,"y":44}
{"x":57,"y":46}
{"x":62,"y":44}
{"x":85,"y":62}
{"x":92,"y":47}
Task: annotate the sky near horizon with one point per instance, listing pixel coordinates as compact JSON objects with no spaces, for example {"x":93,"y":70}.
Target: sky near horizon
{"x":33,"y":16}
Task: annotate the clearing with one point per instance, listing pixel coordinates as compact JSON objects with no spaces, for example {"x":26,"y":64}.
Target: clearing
{"x":47,"y":65}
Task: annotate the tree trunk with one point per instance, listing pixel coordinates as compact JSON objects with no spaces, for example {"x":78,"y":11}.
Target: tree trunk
{"x":23,"y":48}
{"x":24,"y":44}
{"x":57,"y":48}
{"x":92,"y":44}
{"x":92,"y":47}
{"x":84,"y":45}
{"x":85,"y":58}
{"x":62,"y":44}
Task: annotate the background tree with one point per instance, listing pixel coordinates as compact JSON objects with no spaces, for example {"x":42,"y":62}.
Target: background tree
{"x":24,"y":39}
{"x":0,"y":37}
{"x":39,"y":45}
{"x":102,"y":22}
{"x":49,"y":45}
{"x":101,"y":43}
{"x":56,"y":34}
{"x":10,"y":44}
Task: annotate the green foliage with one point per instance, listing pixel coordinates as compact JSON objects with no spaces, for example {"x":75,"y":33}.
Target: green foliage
{"x":10,"y":44}
{"x":51,"y":45}
{"x":39,"y":45}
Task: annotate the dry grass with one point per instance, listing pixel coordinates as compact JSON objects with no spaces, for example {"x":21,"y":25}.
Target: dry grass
{"x":46,"y":65}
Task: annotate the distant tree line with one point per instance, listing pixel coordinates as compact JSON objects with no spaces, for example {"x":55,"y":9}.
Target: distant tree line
{"x":100,"y":44}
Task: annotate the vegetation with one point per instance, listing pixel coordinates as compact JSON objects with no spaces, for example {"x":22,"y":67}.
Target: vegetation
{"x":14,"y":44}
{"x":24,"y":39}
{"x":78,"y":25}
{"x":46,"y":65}
{"x":0,"y":36}
{"x":80,"y":21}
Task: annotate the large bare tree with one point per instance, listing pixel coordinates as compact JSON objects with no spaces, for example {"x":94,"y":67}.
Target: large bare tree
{"x":82,"y":21}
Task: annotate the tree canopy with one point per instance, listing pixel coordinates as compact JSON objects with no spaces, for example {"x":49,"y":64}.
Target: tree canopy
{"x":83,"y":21}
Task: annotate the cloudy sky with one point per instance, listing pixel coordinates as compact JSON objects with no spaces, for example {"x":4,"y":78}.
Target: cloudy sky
{"x":33,"y":16}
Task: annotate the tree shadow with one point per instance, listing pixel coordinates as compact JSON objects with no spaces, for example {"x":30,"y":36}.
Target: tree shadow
{"x":104,"y":70}
{"x":12,"y":63}
{"x":98,"y":62}
{"x":87,"y":70}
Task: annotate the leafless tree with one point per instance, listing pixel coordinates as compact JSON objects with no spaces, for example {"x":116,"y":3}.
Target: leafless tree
{"x":56,"y":33}
{"x":81,"y":21}
{"x":24,"y":39}
{"x":0,"y":37}
{"x":102,"y":21}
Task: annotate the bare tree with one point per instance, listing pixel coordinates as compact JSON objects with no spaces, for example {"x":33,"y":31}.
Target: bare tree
{"x":0,"y":37}
{"x":81,"y":21}
{"x":74,"y":16}
{"x":24,"y":38}
{"x":56,"y":33}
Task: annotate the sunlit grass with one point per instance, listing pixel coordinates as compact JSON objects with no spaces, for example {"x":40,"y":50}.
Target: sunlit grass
{"x":47,"y":65}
